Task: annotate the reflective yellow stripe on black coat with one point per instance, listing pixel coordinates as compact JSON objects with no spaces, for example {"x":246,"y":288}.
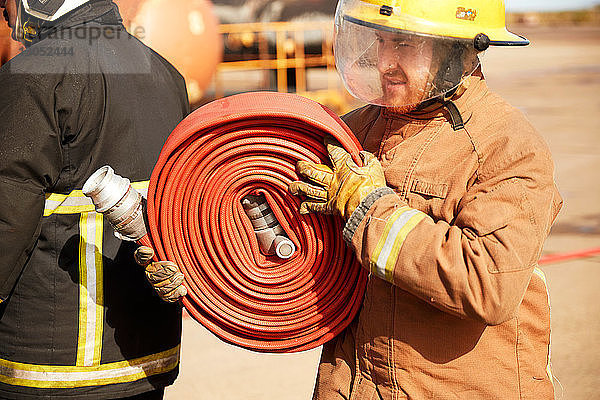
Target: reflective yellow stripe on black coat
{"x":88,"y":368}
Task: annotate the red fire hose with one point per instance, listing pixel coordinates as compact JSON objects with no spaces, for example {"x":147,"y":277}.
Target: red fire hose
{"x":243,"y":145}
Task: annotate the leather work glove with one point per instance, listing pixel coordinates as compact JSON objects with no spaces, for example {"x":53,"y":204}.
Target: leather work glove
{"x":339,"y":190}
{"x":164,"y":276}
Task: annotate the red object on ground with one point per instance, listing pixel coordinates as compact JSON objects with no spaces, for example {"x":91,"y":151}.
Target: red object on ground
{"x":232,"y":147}
{"x":554,"y":258}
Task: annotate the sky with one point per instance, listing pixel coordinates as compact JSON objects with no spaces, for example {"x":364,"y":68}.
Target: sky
{"x":548,"y":5}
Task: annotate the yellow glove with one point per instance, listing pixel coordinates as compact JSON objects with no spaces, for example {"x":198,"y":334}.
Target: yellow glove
{"x":340,"y":190}
{"x":164,"y":276}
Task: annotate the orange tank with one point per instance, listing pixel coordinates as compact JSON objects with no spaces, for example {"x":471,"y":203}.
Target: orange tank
{"x":128,"y":9}
{"x":185,"y":32}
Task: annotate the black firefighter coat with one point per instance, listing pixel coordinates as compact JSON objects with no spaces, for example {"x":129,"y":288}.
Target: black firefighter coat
{"x":77,"y":317}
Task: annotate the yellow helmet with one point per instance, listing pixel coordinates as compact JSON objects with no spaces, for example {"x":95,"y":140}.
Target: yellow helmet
{"x":401,"y":53}
{"x":462,"y":19}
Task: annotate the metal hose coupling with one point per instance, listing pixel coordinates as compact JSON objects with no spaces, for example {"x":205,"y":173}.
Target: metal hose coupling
{"x":115,"y":198}
{"x":269,"y":233}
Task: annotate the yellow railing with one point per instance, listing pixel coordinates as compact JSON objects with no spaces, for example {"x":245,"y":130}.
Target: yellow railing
{"x":279,"y":47}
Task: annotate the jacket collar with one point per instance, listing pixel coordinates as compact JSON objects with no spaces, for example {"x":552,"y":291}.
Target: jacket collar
{"x":102,"y":11}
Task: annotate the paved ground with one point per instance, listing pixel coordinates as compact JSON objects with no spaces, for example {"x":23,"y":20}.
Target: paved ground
{"x":556,"y":82}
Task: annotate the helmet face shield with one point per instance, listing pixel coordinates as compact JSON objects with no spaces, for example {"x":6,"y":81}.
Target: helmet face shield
{"x":390,"y":67}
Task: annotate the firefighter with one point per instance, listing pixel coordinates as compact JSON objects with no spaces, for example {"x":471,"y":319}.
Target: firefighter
{"x":448,"y":212}
{"x":78,"y":319}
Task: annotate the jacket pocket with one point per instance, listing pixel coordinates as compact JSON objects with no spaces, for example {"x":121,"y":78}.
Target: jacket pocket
{"x":429,"y":197}
{"x":364,"y":389}
{"x":502,"y":219}
{"x":439,"y":190}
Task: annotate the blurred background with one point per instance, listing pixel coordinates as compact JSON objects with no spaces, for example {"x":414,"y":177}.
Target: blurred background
{"x":233,"y":46}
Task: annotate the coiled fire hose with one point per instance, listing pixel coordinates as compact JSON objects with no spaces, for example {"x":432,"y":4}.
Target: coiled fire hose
{"x":273,"y":281}
{"x":259,"y":274}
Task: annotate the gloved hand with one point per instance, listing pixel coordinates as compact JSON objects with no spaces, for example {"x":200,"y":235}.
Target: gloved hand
{"x":340,"y":190}
{"x":164,"y":276}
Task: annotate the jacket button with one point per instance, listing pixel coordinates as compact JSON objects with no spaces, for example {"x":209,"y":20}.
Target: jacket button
{"x":389,"y":155}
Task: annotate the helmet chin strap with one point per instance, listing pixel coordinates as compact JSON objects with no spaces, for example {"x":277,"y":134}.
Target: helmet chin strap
{"x":445,"y":100}
{"x":456,"y":118}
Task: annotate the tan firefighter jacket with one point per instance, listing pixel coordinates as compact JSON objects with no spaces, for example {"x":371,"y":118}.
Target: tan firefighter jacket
{"x":456,"y":307}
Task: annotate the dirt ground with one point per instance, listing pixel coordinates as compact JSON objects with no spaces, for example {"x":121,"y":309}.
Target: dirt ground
{"x":556,"y":82}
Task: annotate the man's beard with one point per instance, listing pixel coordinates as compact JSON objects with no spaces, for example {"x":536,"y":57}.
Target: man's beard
{"x":400,"y":106}
{"x":404,"y":109}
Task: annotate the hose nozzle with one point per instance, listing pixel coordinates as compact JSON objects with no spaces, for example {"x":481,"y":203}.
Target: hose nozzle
{"x":115,"y":198}
{"x":271,"y":236}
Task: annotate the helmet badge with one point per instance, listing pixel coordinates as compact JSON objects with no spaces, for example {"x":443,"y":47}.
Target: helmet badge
{"x":466,"y":14}
{"x":386,"y":10}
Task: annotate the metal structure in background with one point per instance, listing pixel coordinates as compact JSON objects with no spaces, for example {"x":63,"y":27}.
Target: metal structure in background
{"x":284,"y":52}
